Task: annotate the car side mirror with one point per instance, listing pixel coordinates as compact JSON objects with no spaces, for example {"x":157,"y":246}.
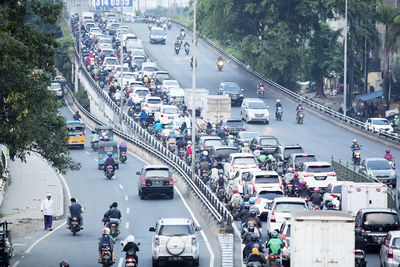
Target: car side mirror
{"x":198,"y":228}
{"x":138,"y":172}
{"x":152,"y":229}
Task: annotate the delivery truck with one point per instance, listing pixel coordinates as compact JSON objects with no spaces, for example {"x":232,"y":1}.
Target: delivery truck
{"x":200,"y":99}
{"x":217,"y":108}
{"x":322,"y":239}
{"x":356,"y":196}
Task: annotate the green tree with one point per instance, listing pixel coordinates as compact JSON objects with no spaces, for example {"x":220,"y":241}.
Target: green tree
{"x":28,"y":112}
{"x":390,"y":18}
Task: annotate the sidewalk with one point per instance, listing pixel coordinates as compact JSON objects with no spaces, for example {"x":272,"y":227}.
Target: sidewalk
{"x":30,"y":183}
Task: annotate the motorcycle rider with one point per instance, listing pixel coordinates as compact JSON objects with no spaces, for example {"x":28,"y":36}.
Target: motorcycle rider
{"x":274,"y":244}
{"x":256,"y":256}
{"x":77,"y":116}
{"x":236,"y":200}
{"x":230,"y":141}
{"x":64,"y":264}
{"x":244,"y":214}
{"x":388,"y":156}
{"x":112,"y":213}
{"x":129,"y":245}
{"x":157,"y":126}
{"x":204,"y":166}
{"x":189,"y":149}
{"x":205,"y":157}
{"x":177,"y":45}
{"x":247,"y":236}
{"x":109,"y":161}
{"x":262,"y":159}
{"x":245,"y":148}
{"x":122,"y":147}
{"x":254,"y":240}
{"x":316,"y":197}
{"x":355,"y":146}
{"x":220,"y":58}
{"x":302,"y":189}
{"x":75,"y":211}
{"x":253,"y":217}
{"x":298,"y":109}
{"x":143,"y":116}
{"x":106,"y":241}
{"x":277,"y":105}
{"x":180,"y":143}
{"x":94,"y":138}
{"x":396,"y":121}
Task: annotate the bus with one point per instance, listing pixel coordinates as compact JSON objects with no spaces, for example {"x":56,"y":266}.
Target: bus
{"x":76,"y":133}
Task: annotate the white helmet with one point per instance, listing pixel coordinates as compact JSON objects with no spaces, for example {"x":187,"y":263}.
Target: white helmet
{"x":277,"y":101}
{"x":205,"y":153}
{"x":290,"y":169}
{"x":396,"y":117}
{"x":106,"y":231}
{"x":130,"y":238}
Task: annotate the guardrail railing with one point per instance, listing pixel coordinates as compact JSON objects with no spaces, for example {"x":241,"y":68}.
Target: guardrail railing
{"x":348,"y":172}
{"x":394,"y":137}
{"x":152,"y":145}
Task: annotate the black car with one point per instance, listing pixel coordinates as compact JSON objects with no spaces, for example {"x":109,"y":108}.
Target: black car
{"x":372,"y":225}
{"x":296,"y":160}
{"x":285,"y":151}
{"x":232,"y":90}
{"x":232,"y":126}
{"x":244,"y":137}
{"x":155,"y":180}
{"x":222,"y":153}
{"x":265,"y":143}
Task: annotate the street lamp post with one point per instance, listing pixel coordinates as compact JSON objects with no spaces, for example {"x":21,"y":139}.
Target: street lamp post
{"x":194,"y":88}
{"x":121,"y":53}
{"x":345,"y":64}
{"x":77,"y":62}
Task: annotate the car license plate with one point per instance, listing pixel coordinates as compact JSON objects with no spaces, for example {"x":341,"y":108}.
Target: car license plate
{"x":175,"y":258}
{"x":259,"y":115}
{"x":156,"y":182}
{"x":378,"y":238}
{"x":320,"y":177}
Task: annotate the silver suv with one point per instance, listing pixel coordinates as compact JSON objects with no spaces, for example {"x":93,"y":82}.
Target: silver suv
{"x":390,"y":250}
{"x":175,"y":241}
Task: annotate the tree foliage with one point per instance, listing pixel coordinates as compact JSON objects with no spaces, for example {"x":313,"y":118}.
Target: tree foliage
{"x":28,"y":112}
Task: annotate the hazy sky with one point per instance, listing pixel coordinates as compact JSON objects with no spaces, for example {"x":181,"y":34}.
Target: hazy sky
{"x":149,"y":4}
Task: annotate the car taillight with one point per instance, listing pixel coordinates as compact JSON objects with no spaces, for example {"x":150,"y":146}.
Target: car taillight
{"x":390,"y":252}
{"x":258,"y":200}
{"x":272,"y":257}
{"x":272,"y":218}
{"x":308,"y":174}
{"x":331,"y":174}
{"x":193,"y":240}
{"x":143,"y":181}
{"x":227,"y":130}
{"x":240,"y":182}
{"x":157,"y":241}
{"x":284,"y":240}
{"x":171,"y":181}
{"x":130,"y":260}
{"x":333,"y":195}
{"x":280,"y":184}
{"x":243,"y":129}
{"x":162,"y":115}
{"x":113,"y":224}
{"x":362,"y":230}
{"x":146,"y":106}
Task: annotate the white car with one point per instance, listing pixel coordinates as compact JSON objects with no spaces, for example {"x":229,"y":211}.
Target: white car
{"x":152,"y":104}
{"x":254,"y":109}
{"x":169,"y":84}
{"x":56,"y":88}
{"x":239,"y":161}
{"x":178,"y":94}
{"x":266,"y":179}
{"x":281,"y":208}
{"x":110,"y":63}
{"x":104,"y":43}
{"x":117,"y":70}
{"x":263,"y":198}
{"x":94,"y":31}
{"x":148,"y":68}
{"x":378,"y":125}
{"x":242,"y":178}
{"x":139,"y":94}
{"x":318,"y":174}
{"x":175,"y":240}
{"x":167,"y":114}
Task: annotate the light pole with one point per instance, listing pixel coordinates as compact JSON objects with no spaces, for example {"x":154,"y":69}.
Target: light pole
{"x":78,"y":62}
{"x":121,"y":53}
{"x":345,"y":63}
{"x":194,"y":88}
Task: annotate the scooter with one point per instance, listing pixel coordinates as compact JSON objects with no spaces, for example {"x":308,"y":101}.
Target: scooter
{"x":204,"y":176}
{"x":187,"y":50}
{"x":359,"y":255}
{"x":106,"y":259}
{"x":177,"y":49}
{"x":113,"y":224}
{"x":109,"y":173}
{"x":130,"y":260}
{"x":300,"y":117}
{"x":261,"y":92}
{"x":123,"y":157}
{"x":356,"y":157}
{"x":94,"y":145}
{"x":75,"y":225}
{"x":274,"y":260}
{"x":279,"y":113}
{"x":221,"y":193}
{"x":220,"y":65}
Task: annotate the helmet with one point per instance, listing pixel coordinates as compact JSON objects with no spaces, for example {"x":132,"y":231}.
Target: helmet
{"x":235,"y":191}
{"x":300,"y":105}
{"x":303,"y":183}
{"x":214,"y":126}
{"x":354,"y":141}
{"x":253,"y":213}
{"x":317,"y":190}
{"x":254,"y":237}
{"x":330,"y":205}
{"x":296,"y":175}
{"x":106,"y":138}
{"x":93,"y":132}
{"x":250,"y":229}
{"x":205,"y":153}
{"x":109,"y":154}
{"x":231,"y":183}
{"x":220,"y":171}
{"x":106,"y":231}
{"x":114,"y":204}
{"x":246,"y":198}
{"x":290,"y":169}
{"x":247,"y":206}
{"x":189,"y":142}
{"x":130,"y":238}
{"x":230,"y":136}
{"x":274,"y":234}
{"x":278,"y":101}
{"x":245,"y":144}
{"x":387,"y":151}
{"x":396,"y":117}
{"x":252,"y":201}
{"x":64,"y":264}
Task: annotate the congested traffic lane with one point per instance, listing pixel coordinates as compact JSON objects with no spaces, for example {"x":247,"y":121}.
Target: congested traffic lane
{"x":95,"y":193}
{"x":316,"y":135}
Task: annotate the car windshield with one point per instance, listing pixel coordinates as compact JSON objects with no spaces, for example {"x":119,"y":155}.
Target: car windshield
{"x":112,"y":61}
{"x":115,"y":25}
{"x":270,"y":194}
{"x":171,"y":110}
{"x":176,"y":230}
{"x":232,"y":88}
{"x":257,"y":105}
{"x":153,"y":101}
{"x":320,"y":168}
{"x":106,"y":41}
{"x":119,"y":69}
{"x":267,"y":179}
{"x":292,"y":150}
{"x":381,"y":218}
{"x":139,"y":60}
{"x":150,"y":69}
{"x":55,"y":86}
{"x":290,"y":206}
{"x":213,"y":142}
{"x":237,"y":123}
{"x":171,"y":82}
{"x":107,"y":52}
{"x":378,"y":165}
{"x":244,"y":161}
{"x":162,"y":76}
{"x":157,"y":173}
{"x":306,"y":158}
{"x":268,"y":142}
{"x":93,"y":30}
{"x":142,"y":92}
{"x":380,"y":122}
{"x":337,"y":189}
{"x":129,"y":76}
{"x":396,"y":243}
{"x":157,"y":32}
{"x":248,"y":135}
{"x":224,"y":152}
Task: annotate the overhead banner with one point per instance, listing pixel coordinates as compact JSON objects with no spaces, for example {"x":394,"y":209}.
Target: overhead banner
{"x":113,"y":3}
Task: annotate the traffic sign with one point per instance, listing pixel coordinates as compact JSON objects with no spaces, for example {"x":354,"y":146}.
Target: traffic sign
{"x":113,"y":3}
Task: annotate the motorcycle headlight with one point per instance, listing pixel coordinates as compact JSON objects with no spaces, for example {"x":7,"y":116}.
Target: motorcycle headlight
{"x":241,"y":95}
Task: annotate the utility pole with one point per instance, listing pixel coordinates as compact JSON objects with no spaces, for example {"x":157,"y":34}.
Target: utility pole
{"x":121,"y":53}
{"x":77,"y":61}
{"x":345,"y":64}
{"x":194,"y":89}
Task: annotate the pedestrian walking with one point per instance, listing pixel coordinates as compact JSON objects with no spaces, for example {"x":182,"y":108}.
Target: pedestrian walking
{"x":47,"y":208}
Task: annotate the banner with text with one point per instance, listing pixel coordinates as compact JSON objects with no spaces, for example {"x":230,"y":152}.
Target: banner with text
{"x":113,"y":3}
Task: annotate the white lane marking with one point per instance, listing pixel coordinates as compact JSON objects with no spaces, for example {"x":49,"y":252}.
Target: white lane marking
{"x":95,"y":160}
{"x":120,"y":262}
{"x":43,"y":237}
{"x":127,"y":225}
{"x":16,"y":264}
{"x":120,"y":186}
{"x":192,"y":215}
{"x":126,"y":198}
{"x":87,"y":152}
{"x":128,"y":210}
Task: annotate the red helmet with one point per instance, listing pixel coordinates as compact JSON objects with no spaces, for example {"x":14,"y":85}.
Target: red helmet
{"x":235,"y":191}
{"x":317,"y":190}
{"x":296,"y":175}
{"x":303,"y":183}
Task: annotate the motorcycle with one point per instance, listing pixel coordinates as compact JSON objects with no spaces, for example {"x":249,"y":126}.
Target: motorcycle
{"x":113,"y":224}
{"x":123,"y":157}
{"x":94,"y":145}
{"x":182,"y":34}
{"x":191,"y":63}
{"x":130,"y":260}
{"x":106,"y":258}
{"x":171,"y":147}
{"x":300,"y":117}
{"x":220,"y":65}
{"x":356,"y":157}
{"x":177,"y":48}
{"x":274,"y":260}
{"x":158,"y":134}
{"x":109,"y":172}
{"x":181,"y":153}
{"x":189,"y":159}
{"x":359,"y":255}
{"x":254,"y":264}
{"x":204,"y":176}
{"x":169,"y":25}
{"x":279,"y":113}
{"x":221,"y":192}
{"x":6,"y":247}
{"x":261,"y":92}
{"x":75,"y":225}
{"x":187,"y":50}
